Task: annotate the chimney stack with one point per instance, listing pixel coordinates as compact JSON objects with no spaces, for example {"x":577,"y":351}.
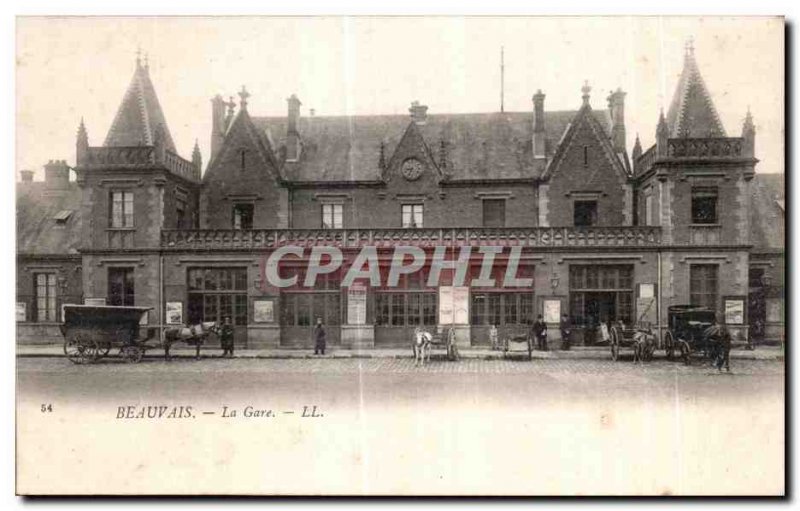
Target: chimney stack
{"x":616,"y":108}
{"x":419,"y":113}
{"x":56,"y":175}
{"x":292,"y":134}
{"x":26,"y":176}
{"x":217,"y":124}
{"x":538,"y":125}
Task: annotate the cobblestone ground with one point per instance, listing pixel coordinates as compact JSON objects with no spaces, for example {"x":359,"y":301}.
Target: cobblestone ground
{"x":607,"y":368}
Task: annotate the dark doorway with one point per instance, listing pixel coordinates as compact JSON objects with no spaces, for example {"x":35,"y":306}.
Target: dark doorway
{"x":756,"y":305}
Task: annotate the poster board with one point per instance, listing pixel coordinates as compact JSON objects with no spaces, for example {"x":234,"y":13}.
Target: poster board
{"x":264,"y":311}
{"x":174,"y":313}
{"x":552,"y":310}
{"x":454,"y":305}
{"x":774,"y":312}
{"x":22,"y":311}
{"x":734,"y":311}
{"x":357,"y":304}
{"x":94,"y":301}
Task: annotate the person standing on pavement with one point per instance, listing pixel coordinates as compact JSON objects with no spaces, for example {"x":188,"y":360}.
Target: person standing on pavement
{"x":226,"y":337}
{"x":493,"y":336}
{"x":320,"y":338}
{"x":566,"y":331}
{"x":540,"y":332}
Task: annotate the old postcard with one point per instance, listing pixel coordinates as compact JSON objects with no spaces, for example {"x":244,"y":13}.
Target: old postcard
{"x":400,"y":256}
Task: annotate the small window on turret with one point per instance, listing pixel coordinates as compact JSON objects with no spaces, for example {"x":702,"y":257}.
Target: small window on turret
{"x":704,"y":205}
{"x":243,"y":216}
{"x":585,"y":155}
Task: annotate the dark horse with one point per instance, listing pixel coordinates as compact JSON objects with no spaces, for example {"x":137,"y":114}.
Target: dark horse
{"x":718,"y":344}
{"x":194,"y":335}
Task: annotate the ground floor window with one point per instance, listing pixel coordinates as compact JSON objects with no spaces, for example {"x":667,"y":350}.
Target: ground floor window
{"x":405,"y":309}
{"x":217,"y":293}
{"x":600,"y":293}
{"x":703,"y":285}
{"x":303,"y":309}
{"x":496,"y":308}
{"x":45,"y":296}
{"x":120,"y":286}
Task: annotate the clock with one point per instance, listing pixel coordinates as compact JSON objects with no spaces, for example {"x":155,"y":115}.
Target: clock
{"x":412,"y":169}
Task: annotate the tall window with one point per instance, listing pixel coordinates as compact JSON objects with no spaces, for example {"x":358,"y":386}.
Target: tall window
{"x":704,"y":205}
{"x":412,"y":216}
{"x":703,"y":285}
{"x":331,"y":216}
{"x":120,"y":286}
{"x":121,"y":209}
{"x":585,"y":213}
{"x":180,"y":214}
{"x":648,"y":208}
{"x":494,"y":213}
{"x":243,"y":216}
{"x":45,"y":293}
{"x":217,"y":293}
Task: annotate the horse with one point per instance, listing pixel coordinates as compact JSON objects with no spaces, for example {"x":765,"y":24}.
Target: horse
{"x":644,"y":343}
{"x":421,"y":345}
{"x":192,"y":335}
{"x":718,"y":341}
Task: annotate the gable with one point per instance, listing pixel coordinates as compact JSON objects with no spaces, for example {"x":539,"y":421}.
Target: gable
{"x":244,"y":153}
{"x":585,"y":131}
{"x":412,"y":161}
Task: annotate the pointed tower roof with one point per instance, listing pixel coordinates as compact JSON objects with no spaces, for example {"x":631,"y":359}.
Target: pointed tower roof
{"x":692,"y":112}
{"x":139,"y":114}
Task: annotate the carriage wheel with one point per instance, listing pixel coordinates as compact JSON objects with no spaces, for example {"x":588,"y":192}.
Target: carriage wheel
{"x":131,"y":353}
{"x":81,"y":349}
{"x":669,"y":345}
{"x":685,"y":350}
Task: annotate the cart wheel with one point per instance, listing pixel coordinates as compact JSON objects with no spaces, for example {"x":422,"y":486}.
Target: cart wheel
{"x":684,"y":349}
{"x":132,"y":354}
{"x":614,"y":350}
{"x":669,"y":345}
{"x":530,"y":349}
{"x":81,"y":349}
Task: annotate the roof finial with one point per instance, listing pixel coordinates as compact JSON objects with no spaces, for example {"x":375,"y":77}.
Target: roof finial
{"x":502,"y":78}
{"x":243,"y":95}
{"x":138,"y":56}
{"x":146,"y":61}
{"x":586,"y":89}
{"x":690,"y":47}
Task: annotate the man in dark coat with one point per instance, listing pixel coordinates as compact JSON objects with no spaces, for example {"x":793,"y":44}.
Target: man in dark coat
{"x":566,"y":331}
{"x":540,"y":333}
{"x":226,"y":337}
{"x":320,"y":337}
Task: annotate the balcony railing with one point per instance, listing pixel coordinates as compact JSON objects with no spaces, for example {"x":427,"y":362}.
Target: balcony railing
{"x":704,"y":147}
{"x":139,"y":156}
{"x":705,"y":234}
{"x":354,"y":238}
{"x":692,"y":149}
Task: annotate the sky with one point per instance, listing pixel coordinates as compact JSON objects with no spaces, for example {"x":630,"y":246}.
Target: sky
{"x":70,"y":68}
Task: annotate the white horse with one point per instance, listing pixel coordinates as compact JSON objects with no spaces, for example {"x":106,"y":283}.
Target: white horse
{"x":421,"y":345}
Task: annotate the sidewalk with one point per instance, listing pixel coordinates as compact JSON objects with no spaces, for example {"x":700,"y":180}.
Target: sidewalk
{"x":577,"y":352}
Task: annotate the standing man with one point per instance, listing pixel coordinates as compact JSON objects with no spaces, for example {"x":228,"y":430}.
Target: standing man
{"x":493,"y":337}
{"x":320,"y":337}
{"x":566,"y":330}
{"x":540,"y":332}
{"x":226,"y":337}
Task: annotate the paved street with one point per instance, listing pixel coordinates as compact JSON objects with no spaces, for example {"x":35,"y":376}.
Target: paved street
{"x":383,"y":425}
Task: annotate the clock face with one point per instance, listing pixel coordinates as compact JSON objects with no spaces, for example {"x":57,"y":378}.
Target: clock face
{"x":412,"y":169}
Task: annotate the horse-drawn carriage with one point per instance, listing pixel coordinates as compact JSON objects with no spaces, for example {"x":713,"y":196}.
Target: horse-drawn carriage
{"x":424,"y":342}
{"x":693,"y":330}
{"x":640,"y":339}
{"x":91,"y":331}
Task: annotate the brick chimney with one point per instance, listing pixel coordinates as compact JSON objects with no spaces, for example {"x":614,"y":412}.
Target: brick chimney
{"x":292,"y":135}
{"x":538,"y":125}
{"x":419,"y":113}
{"x":616,"y":108}
{"x":26,"y":176}
{"x":56,"y":175}
{"x":217,"y":124}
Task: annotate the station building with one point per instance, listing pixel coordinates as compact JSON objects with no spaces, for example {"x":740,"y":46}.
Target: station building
{"x":601,"y":235}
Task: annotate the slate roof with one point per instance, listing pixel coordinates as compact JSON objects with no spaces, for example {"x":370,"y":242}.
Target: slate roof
{"x":477,"y":146}
{"x":139,"y":114}
{"x":767,"y":217}
{"x":38,"y":230}
{"x":691,"y":112}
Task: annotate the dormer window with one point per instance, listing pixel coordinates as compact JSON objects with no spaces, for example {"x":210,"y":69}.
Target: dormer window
{"x":585,"y":214}
{"x":243,"y":216}
{"x":62,"y":216}
{"x":411,"y":216}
